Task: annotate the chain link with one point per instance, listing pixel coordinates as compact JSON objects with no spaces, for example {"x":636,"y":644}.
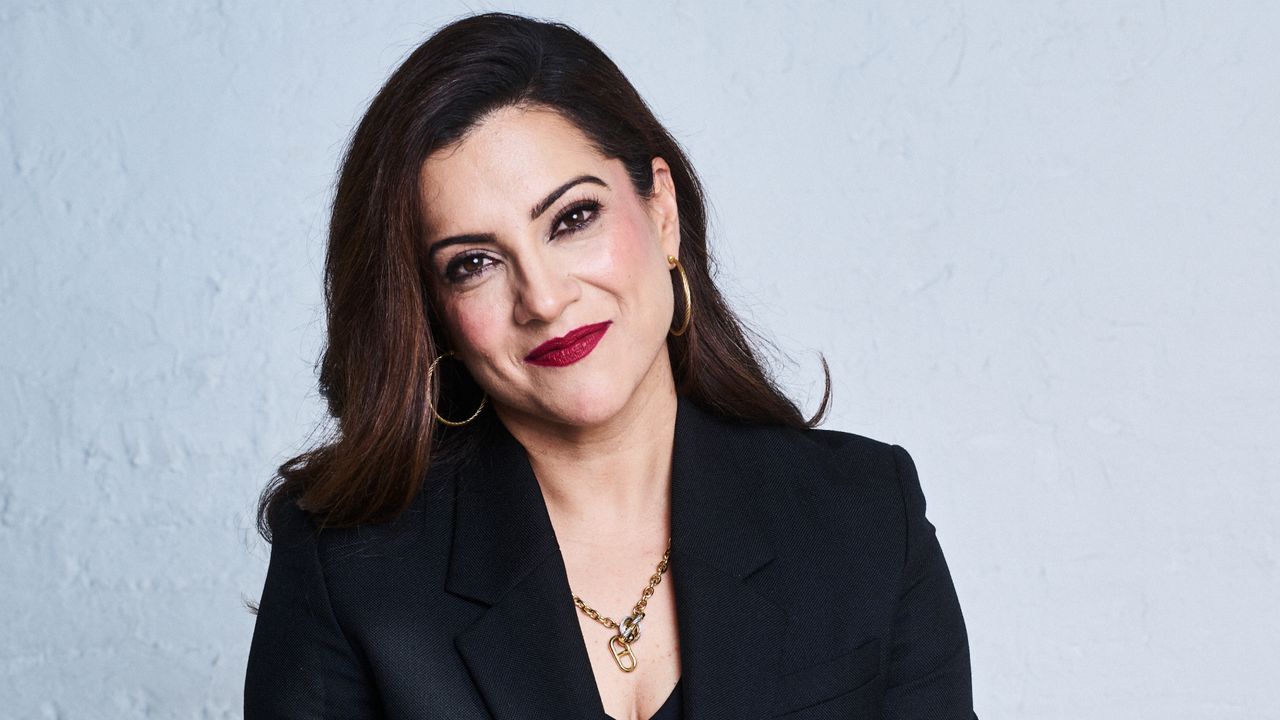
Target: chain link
{"x":638,"y":610}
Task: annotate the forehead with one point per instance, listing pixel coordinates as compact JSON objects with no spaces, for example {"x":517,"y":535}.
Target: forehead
{"x":506,"y":163}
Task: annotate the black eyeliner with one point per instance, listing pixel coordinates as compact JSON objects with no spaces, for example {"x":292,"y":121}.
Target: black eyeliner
{"x":589,"y":202}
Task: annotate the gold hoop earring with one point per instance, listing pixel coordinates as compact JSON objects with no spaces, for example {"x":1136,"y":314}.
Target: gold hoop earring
{"x":688,"y":296}
{"x":451,"y":423}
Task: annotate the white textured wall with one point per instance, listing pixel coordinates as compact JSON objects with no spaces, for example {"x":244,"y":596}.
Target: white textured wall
{"x":1037,"y":242}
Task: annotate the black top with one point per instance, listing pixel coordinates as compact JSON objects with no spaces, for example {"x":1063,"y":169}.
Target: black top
{"x":462,"y":609}
{"x":670,"y":709}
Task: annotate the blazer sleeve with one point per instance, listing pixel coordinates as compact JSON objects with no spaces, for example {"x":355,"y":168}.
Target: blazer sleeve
{"x":301,"y":664}
{"x":929,"y":674}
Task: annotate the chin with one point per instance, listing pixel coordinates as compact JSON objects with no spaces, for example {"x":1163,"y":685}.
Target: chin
{"x":590,"y":396}
{"x":591,"y":403}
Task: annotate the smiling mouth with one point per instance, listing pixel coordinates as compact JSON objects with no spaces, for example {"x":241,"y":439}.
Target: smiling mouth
{"x":570,"y":348}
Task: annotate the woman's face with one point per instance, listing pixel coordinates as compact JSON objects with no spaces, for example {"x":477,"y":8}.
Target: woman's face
{"x":534,"y":236}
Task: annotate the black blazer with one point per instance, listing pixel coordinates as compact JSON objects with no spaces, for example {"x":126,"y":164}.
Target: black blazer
{"x":808,"y":584}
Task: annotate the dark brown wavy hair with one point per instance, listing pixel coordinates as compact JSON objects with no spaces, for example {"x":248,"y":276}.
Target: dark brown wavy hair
{"x":381,"y":331}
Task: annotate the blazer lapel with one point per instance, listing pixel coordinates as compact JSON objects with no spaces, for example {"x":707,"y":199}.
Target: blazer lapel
{"x":731,"y":633}
{"x":526,"y":653}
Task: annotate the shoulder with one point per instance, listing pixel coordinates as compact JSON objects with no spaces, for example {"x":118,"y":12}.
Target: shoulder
{"x":846,"y":448}
{"x":844,"y":488}
{"x":354,"y":560}
{"x":841,"y":509}
{"x":356,"y":574}
{"x":826,"y":461}
{"x":854,"y":458}
{"x":871,"y":470}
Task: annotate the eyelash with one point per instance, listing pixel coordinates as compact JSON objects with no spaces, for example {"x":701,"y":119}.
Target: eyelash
{"x":587,"y":203}
{"x":452,"y":272}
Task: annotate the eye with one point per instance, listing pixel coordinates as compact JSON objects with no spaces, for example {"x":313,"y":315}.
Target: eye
{"x":466,"y":266}
{"x":576,"y":217}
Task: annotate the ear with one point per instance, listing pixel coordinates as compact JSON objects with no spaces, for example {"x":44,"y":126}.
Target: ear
{"x":663,"y":208}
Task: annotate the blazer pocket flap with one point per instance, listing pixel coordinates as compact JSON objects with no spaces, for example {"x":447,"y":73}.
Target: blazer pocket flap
{"x":829,"y":678}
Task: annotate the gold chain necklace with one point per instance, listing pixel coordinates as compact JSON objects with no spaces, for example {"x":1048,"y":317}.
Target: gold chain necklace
{"x":629,"y":628}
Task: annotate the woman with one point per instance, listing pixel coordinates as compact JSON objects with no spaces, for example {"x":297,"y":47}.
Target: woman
{"x":562,"y":485}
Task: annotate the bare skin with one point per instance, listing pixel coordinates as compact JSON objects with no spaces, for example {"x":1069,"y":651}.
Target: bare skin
{"x":599,"y":431}
{"x":610,"y":505}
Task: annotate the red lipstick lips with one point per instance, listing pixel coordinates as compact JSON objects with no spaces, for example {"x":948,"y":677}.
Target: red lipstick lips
{"x":569,"y":349}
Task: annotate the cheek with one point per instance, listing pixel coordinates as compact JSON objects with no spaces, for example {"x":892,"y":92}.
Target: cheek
{"x":629,"y":262}
{"x":473,"y":327}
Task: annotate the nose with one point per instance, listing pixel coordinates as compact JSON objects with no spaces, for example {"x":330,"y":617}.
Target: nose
{"x":543,"y":291}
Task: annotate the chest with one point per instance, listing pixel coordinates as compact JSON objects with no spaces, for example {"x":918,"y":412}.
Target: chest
{"x":636,"y":695}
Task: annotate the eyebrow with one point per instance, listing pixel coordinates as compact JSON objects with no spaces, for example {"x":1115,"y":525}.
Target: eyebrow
{"x":555,"y":194}
{"x":534,"y":213}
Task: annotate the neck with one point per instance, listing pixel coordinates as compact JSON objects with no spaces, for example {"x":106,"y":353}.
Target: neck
{"x":604,"y":482}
